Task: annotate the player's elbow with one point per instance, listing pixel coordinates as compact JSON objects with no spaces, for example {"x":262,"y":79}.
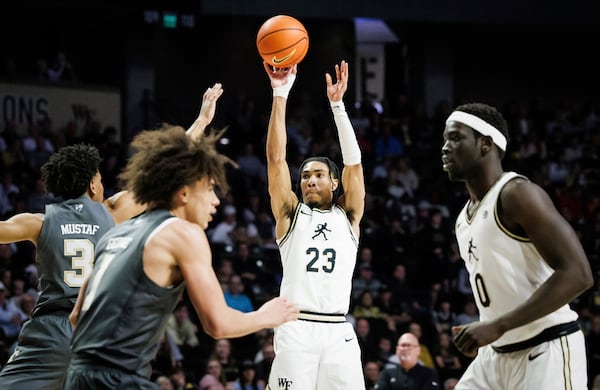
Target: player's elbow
{"x":587,"y":280}
{"x":216,"y":328}
{"x":211,"y":332}
{"x":218,"y":333}
{"x":583,"y":279}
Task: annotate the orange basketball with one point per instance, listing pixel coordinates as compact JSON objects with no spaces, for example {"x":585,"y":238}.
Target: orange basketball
{"x":282,"y":41}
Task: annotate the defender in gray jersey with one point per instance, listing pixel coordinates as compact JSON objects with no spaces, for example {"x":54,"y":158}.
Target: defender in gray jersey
{"x":318,"y":240}
{"x":65,"y":238}
{"x":144,"y":264}
{"x":526,"y":265}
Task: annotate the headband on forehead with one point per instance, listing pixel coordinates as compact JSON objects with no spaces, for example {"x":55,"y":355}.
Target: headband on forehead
{"x":480,"y":126}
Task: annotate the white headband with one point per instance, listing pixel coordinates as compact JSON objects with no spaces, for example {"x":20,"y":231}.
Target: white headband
{"x":480,"y":126}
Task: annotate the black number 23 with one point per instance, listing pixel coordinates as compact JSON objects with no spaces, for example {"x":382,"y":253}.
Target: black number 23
{"x":329,"y":253}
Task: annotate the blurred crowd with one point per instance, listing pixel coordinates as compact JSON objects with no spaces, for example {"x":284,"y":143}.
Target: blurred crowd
{"x":409,"y":275}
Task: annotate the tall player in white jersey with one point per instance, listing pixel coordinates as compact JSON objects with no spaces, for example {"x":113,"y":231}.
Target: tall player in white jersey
{"x":318,"y":240}
{"x":525,"y":262}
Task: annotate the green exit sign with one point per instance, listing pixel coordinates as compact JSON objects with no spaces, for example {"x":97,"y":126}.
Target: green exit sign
{"x":169,"y":20}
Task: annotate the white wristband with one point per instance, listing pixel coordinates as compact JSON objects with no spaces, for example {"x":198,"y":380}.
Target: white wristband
{"x":284,"y":90}
{"x":337,"y":106}
{"x":348,"y":143}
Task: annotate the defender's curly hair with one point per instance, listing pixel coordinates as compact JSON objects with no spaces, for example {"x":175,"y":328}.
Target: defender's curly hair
{"x":490,"y":115}
{"x":69,"y":171}
{"x":166,"y":159}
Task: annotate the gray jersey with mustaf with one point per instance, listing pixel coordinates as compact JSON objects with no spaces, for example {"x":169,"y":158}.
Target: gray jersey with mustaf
{"x":65,"y":250}
{"x":124,"y":313}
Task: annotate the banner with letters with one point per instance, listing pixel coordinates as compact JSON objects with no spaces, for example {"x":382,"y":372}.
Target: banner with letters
{"x":28,"y":103}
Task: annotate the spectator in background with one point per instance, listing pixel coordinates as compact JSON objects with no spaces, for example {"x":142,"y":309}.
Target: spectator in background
{"x":7,"y":251}
{"x":399,"y":287}
{"x":397,"y":317}
{"x":247,"y":379}
{"x":266,"y":229}
{"x":447,"y":360}
{"x":366,"y":340}
{"x":221,"y":234}
{"x":14,"y":160}
{"x":42,"y":70}
{"x":179,"y":380}
{"x":444,"y":317}
{"x":252,"y":208}
{"x":8,"y":191}
{"x":469,"y":313}
{"x":35,"y":140}
{"x":27,"y":304}
{"x":380,"y":175}
{"x":408,"y":177}
{"x":252,"y":168}
{"x":450,"y":383}
{"x":182,"y":329}
{"x":11,"y":317}
{"x":235,"y":296}
{"x":245,"y":266}
{"x":408,"y":374}
{"x":365,"y":281}
{"x":367,"y":308}
{"x":424,"y":355}
{"x":246,"y":232}
{"x":371,"y":372}
{"x":222,"y":351}
{"x":264,"y":362}
{"x":224,"y":271}
{"x":38,"y":156}
{"x":365,"y":257}
{"x":213,"y":377}
{"x":388,"y":144}
{"x":18,"y":289}
{"x":385,"y":348}
{"x":61,"y":69}
{"x":39,"y":198}
{"x":397,"y":241}
{"x":164,"y":383}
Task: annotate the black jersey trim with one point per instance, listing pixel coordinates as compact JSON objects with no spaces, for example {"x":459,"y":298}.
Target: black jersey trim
{"x":547,"y":334}
{"x":503,"y":228}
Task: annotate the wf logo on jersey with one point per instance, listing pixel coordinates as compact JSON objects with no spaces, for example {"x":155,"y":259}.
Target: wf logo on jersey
{"x":321,"y":229}
{"x":284,"y":383}
{"x":471,"y":252}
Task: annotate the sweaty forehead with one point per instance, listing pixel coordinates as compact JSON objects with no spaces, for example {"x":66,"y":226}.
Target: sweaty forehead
{"x":453,"y":127}
{"x":315,"y":166}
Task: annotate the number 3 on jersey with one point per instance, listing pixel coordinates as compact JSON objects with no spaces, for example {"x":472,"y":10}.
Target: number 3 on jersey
{"x":81,"y":252}
{"x":328,"y":254}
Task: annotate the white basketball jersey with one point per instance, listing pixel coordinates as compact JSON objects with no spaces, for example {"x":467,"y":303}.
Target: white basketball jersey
{"x":318,"y":255}
{"x":505,"y":269}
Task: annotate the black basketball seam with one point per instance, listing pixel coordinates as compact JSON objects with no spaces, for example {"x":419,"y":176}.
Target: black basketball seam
{"x":285,"y":48}
{"x":283,"y":29}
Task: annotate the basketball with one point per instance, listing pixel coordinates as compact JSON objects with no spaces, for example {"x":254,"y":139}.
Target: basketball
{"x":282,"y":41}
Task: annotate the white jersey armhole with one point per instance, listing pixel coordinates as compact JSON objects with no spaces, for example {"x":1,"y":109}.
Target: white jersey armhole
{"x":159,"y":228}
